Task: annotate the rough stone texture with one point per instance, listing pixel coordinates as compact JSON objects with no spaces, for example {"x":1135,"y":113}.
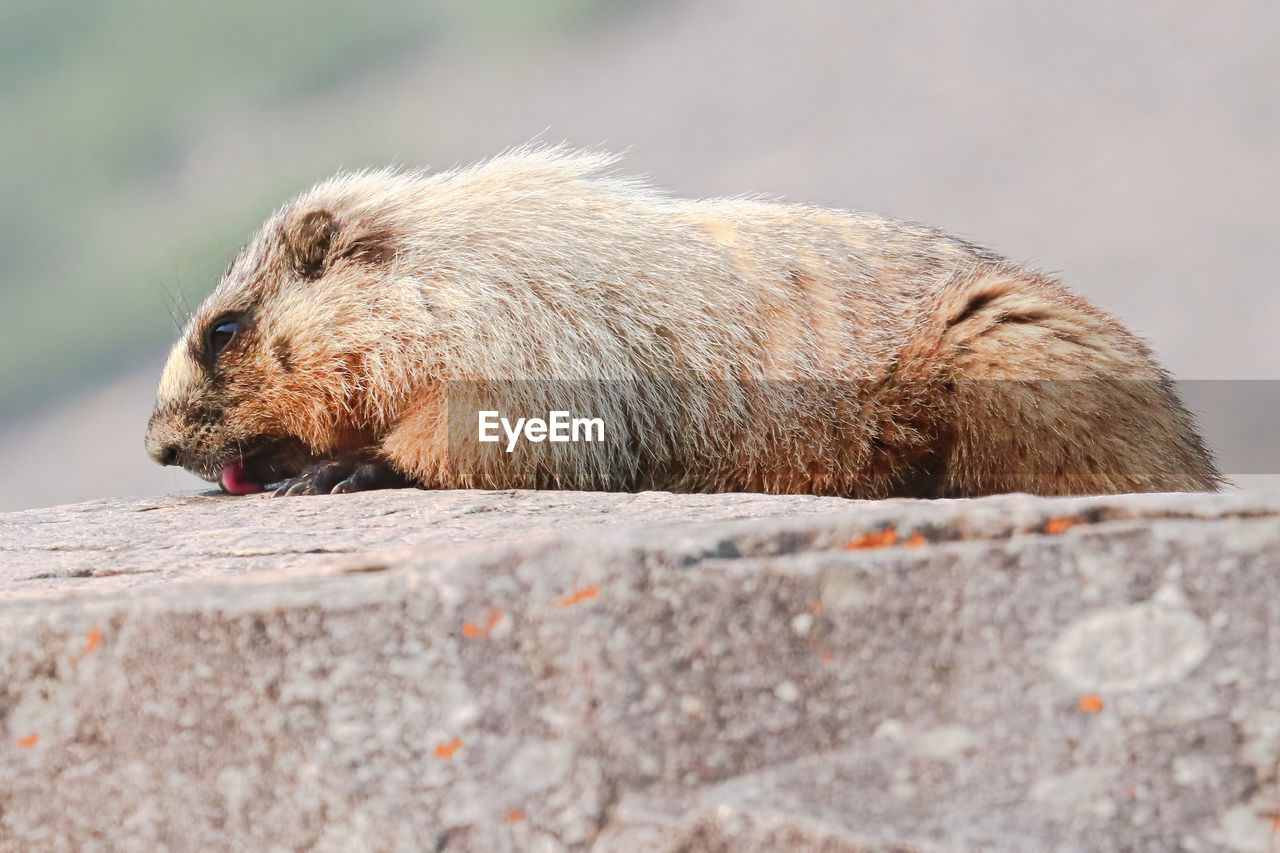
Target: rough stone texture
{"x":509,"y":671}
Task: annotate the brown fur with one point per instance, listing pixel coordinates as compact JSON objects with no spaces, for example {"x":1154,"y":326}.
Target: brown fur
{"x":729,"y":345}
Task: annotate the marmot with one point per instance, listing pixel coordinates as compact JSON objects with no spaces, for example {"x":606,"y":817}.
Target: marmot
{"x":727,"y":345}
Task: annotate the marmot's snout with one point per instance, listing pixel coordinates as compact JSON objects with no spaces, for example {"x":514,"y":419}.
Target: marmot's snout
{"x":163,"y":445}
{"x":160,"y":451}
{"x":168,"y":443}
{"x":189,"y":427}
{"x":239,"y":466}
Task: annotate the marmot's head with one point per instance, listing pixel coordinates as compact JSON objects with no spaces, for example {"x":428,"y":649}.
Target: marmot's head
{"x":285,"y":362}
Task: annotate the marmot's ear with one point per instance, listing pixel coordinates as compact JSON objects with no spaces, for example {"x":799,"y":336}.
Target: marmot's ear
{"x":312,"y":243}
{"x":308,"y":241}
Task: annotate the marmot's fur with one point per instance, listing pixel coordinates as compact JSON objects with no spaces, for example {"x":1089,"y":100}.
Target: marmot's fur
{"x":728,"y":345}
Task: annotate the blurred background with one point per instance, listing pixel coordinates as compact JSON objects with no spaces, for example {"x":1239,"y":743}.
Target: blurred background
{"x":1130,"y":148}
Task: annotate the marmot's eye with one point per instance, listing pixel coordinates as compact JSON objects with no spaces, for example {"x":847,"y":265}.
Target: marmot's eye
{"x":221,"y":331}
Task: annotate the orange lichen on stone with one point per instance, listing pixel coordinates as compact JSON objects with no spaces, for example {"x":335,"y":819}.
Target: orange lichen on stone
{"x":816,"y":607}
{"x":827,"y":658}
{"x":578,"y":595}
{"x":446,"y":750}
{"x":1091,"y":703}
{"x":917,"y":539}
{"x":1060,"y":525}
{"x":92,"y":641}
{"x":477,"y":632}
{"x":28,"y":741}
{"x":514,"y":816}
{"x":882,"y":539}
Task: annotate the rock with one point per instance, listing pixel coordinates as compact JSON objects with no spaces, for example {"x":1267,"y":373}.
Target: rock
{"x":507,"y":671}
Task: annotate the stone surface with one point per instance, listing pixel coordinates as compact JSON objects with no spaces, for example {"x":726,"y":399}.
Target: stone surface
{"x":507,"y":671}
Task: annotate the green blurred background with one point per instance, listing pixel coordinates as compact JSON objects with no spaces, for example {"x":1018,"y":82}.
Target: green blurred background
{"x":105,"y":104}
{"x":1130,"y":149}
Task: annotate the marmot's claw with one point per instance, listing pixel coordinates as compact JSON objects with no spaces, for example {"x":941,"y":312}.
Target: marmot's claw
{"x":358,"y":472}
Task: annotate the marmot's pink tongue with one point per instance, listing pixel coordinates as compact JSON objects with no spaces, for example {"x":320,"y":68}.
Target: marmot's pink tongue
{"x":233,"y":480}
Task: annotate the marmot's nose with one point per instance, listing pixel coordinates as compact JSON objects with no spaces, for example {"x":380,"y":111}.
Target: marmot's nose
{"x":164,"y":454}
{"x":161,"y":451}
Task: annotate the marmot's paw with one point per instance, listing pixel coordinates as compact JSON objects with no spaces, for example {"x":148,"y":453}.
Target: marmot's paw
{"x":358,"y":472}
